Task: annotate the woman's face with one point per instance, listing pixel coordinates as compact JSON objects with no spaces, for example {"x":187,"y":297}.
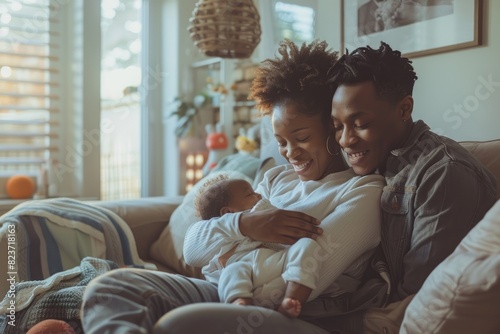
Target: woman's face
{"x":302,"y":141}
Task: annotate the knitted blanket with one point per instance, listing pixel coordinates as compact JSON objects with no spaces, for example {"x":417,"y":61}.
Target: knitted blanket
{"x":56,"y":297}
{"x":48,"y":239}
{"x":53,"y":235}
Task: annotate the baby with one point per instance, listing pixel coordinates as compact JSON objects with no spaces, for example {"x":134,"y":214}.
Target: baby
{"x":244,"y":271}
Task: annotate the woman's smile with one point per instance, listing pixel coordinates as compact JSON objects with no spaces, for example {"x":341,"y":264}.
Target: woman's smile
{"x":301,"y":168}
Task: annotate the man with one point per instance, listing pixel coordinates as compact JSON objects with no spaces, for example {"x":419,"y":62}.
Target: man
{"x":436,"y":191}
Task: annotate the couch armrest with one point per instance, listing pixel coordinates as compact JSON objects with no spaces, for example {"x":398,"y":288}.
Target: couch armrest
{"x":487,"y":153}
{"x":147,"y":217}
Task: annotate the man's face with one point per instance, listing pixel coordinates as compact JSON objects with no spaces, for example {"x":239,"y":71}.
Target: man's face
{"x":367,"y":127}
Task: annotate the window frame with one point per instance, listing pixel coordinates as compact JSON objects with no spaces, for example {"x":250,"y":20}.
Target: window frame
{"x":304,"y":3}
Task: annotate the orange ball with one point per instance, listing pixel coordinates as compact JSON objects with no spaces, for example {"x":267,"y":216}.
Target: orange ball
{"x":20,"y":187}
{"x":51,"y":326}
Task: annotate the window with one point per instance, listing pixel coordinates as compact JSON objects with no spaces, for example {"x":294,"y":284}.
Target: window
{"x":44,"y":124}
{"x":120,"y":99}
{"x":56,"y":123}
{"x":294,"y":20}
{"x":29,"y":90}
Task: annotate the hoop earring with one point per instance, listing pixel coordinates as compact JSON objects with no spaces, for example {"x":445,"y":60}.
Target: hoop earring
{"x":328,"y":147}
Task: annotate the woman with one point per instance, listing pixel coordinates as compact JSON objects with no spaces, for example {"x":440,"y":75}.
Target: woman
{"x":294,"y":90}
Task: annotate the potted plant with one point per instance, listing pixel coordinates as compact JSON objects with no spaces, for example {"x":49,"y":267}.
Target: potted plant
{"x":188,"y":121}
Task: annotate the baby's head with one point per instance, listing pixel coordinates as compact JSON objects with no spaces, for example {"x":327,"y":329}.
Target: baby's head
{"x":221,"y":195}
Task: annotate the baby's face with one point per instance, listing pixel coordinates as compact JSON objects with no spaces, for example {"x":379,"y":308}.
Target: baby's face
{"x":243,"y":197}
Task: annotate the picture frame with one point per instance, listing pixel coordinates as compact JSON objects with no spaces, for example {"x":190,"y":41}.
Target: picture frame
{"x":415,"y":28}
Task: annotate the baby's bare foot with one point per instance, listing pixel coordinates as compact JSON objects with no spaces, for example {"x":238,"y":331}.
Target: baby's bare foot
{"x":243,"y":301}
{"x":290,"y":307}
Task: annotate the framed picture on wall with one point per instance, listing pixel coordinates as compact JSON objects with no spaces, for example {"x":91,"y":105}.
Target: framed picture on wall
{"x":416,"y":28}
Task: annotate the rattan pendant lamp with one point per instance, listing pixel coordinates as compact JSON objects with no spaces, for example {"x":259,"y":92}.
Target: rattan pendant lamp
{"x":225,"y":28}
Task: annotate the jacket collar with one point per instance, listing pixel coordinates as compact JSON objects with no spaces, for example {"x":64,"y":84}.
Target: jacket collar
{"x":419,"y":127}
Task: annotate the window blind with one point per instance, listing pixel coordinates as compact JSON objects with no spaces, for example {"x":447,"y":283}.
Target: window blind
{"x":29,"y":86}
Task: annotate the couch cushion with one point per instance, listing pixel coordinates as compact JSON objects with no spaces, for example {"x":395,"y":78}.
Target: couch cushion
{"x":146,"y":217}
{"x":239,"y":162}
{"x":265,"y":165}
{"x":462,"y":294}
{"x":488,"y":153}
{"x":168,"y":248}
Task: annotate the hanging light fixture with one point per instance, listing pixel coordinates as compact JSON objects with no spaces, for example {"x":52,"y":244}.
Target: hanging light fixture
{"x":225,"y":28}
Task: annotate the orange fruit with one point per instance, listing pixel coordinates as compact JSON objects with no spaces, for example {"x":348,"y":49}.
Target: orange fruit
{"x":20,"y":187}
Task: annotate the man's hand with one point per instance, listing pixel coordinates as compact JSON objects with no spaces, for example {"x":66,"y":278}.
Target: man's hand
{"x":280,"y":226}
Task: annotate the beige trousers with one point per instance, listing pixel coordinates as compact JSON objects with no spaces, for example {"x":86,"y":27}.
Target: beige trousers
{"x":386,"y":320}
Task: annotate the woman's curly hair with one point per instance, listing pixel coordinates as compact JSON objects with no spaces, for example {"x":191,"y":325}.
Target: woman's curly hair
{"x":392,"y":74}
{"x":299,"y":76}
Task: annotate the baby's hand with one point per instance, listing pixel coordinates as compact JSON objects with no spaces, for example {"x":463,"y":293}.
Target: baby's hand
{"x":290,"y":307}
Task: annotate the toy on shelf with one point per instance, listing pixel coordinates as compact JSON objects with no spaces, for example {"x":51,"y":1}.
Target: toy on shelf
{"x":217,"y":143}
{"x":248,"y":141}
{"x":246,"y":160}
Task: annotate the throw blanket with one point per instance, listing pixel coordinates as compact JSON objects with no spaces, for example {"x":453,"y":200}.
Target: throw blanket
{"x":53,"y":235}
{"x":57,"y":297}
{"x":47,"y":239}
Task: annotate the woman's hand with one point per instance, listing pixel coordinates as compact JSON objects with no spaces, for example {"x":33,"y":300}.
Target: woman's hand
{"x":280,"y":226}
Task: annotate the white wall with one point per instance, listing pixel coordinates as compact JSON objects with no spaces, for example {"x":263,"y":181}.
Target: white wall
{"x":328,"y":21}
{"x":455,"y":80}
